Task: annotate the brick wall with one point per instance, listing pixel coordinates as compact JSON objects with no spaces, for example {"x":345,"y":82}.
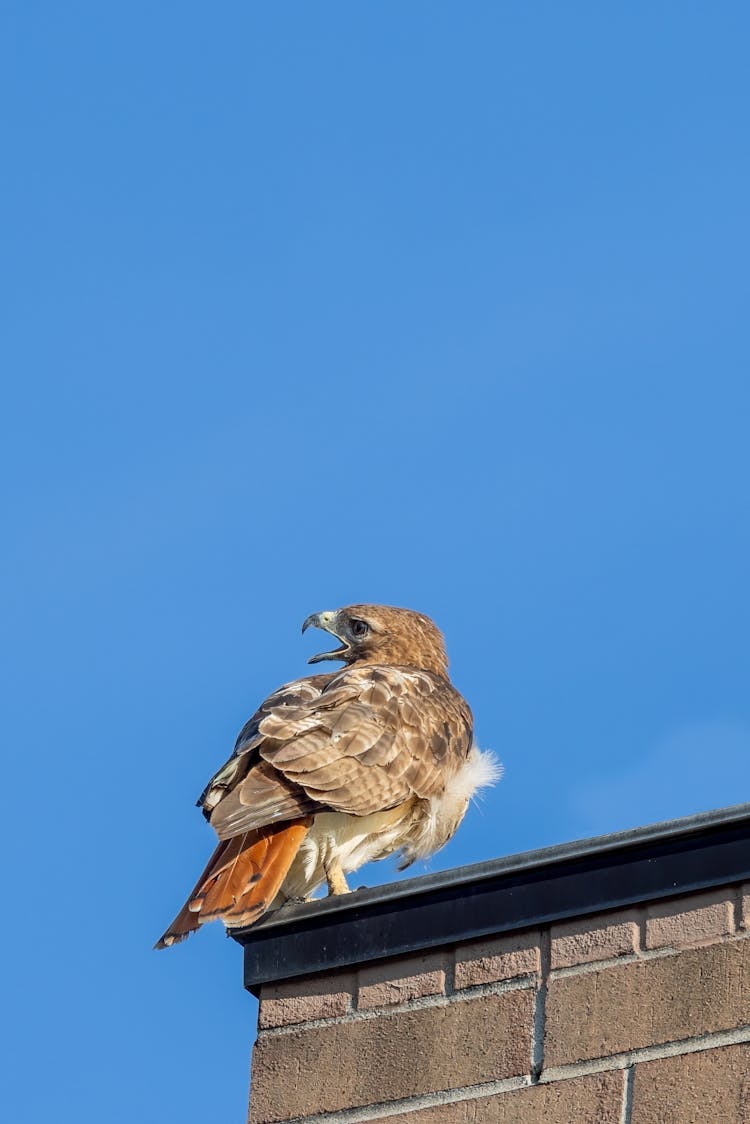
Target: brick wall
{"x":631,"y":1017}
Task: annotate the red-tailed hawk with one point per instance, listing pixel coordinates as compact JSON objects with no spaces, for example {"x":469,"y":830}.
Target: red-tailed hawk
{"x":337,"y":770}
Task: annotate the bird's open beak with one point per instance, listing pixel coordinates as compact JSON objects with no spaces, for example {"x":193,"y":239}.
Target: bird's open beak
{"x":327,"y":622}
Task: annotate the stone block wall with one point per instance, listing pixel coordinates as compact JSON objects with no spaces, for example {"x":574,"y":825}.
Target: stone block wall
{"x":640,"y":1016}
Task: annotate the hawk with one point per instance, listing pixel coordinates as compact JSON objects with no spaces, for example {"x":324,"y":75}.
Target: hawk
{"x":336,"y":770}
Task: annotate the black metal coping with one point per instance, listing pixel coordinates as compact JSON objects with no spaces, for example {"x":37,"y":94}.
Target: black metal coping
{"x":499,"y":896}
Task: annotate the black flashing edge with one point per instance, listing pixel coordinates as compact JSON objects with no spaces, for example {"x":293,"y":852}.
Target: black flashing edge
{"x":484,"y":899}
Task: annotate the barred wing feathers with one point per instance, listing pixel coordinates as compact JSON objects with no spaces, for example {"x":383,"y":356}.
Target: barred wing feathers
{"x":362,"y":740}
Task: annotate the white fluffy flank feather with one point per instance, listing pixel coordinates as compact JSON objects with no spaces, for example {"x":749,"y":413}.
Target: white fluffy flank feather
{"x":480,"y":770}
{"x":442,"y":814}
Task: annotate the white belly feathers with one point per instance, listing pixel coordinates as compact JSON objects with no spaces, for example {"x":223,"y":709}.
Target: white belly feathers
{"x":417,"y":828}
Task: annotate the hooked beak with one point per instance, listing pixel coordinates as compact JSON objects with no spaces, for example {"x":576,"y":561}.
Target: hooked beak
{"x":327,"y":622}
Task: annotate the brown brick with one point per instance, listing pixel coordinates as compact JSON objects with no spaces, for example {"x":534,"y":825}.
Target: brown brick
{"x":395,"y":981}
{"x":594,"y":938}
{"x":585,"y":1100}
{"x":690,"y":920}
{"x":296,"y":1001}
{"x":483,"y":962}
{"x":627,"y":1006}
{"x":745,"y":905}
{"x":399,"y":1054}
{"x":711,"y":1086}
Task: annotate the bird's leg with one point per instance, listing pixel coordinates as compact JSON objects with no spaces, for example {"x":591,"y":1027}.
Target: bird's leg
{"x":335,"y":877}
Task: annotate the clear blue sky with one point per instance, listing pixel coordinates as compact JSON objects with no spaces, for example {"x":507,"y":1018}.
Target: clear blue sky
{"x":440,"y":305}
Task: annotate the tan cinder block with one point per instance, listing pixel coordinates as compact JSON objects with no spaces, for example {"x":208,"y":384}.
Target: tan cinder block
{"x":395,"y":981}
{"x":690,"y":920}
{"x":628,"y":1006}
{"x":711,"y":1086}
{"x":502,"y":958}
{"x":296,"y":1001}
{"x":585,"y":1100}
{"x":399,"y":1054}
{"x":603,"y":937}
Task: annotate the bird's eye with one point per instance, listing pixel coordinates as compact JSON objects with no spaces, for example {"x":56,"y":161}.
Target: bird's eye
{"x":360,"y":629}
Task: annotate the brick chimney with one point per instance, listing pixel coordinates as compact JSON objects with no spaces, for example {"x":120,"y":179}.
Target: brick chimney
{"x":600,"y":982}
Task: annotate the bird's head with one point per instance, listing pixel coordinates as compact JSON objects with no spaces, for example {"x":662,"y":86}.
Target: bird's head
{"x":381,"y":634}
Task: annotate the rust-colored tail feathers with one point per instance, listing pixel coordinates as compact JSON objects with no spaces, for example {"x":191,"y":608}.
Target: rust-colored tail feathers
{"x":241,"y":880}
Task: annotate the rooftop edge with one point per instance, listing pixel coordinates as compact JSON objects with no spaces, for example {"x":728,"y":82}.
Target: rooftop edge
{"x":500,"y":895}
